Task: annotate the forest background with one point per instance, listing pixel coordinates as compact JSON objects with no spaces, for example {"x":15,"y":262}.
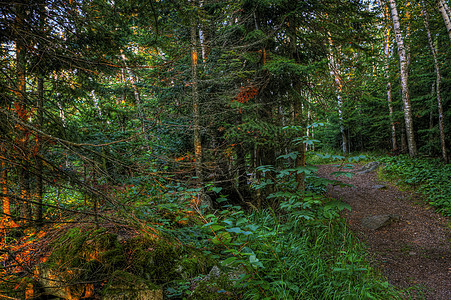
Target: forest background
{"x":167,"y":110}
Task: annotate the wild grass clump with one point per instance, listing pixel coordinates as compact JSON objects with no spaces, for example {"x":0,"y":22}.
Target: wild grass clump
{"x":294,"y":258}
{"x":428,"y":176}
{"x":296,"y":248}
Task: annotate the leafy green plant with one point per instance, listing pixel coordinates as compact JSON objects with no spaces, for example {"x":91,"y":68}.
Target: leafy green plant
{"x":293,"y":257}
{"x":428,"y":176}
{"x":301,"y":251}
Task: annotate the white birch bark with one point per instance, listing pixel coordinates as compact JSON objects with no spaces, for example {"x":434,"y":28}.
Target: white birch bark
{"x":404,"y":80}
{"x":334,"y":69}
{"x":137,"y":94}
{"x":444,"y":10}
{"x":437,"y":84}
{"x":387,"y":77}
{"x":447,"y":9}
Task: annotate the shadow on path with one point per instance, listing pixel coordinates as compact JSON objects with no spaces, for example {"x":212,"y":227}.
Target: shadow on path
{"x":413,"y":247}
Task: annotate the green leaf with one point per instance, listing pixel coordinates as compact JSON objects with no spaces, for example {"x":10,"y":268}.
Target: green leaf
{"x":216,"y":227}
{"x":291,"y":155}
{"x":342,"y":173}
{"x":254,"y":261}
{"x":337,"y":204}
{"x":229,"y":260}
{"x":215,"y":189}
{"x":234,"y":230}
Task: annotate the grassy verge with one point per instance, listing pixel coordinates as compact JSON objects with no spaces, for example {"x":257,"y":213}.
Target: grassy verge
{"x":430,"y":177}
{"x":311,"y":260}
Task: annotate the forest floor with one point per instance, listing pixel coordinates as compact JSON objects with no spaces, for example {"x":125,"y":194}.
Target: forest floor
{"x":414,"y":252}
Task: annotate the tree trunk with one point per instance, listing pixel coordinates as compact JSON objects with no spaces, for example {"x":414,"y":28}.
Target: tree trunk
{"x":298,"y":118}
{"x":138,"y":101}
{"x":195,"y":99}
{"x":300,"y":158}
{"x":437,"y":84}
{"x":334,"y":69}
{"x":241,"y":160}
{"x":5,"y":200}
{"x":241,"y":167}
{"x":21,"y":106}
{"x":443,"y":8}
{"x":387,"y":77}
{"x":6,"y":205}
{"x":404,"y":81}
{"x":39,"y":164}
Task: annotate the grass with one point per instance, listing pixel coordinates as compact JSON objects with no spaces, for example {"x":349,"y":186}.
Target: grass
{"x":430,"y":177}
{"x":309,"y":259}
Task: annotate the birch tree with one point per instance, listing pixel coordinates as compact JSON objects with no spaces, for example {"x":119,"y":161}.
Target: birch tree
{"x":387,"y":76}
{"x":404,"y":72}
{"x":437,"y":84}
{"x":445,"y":12}
{"x":334,"y":68}
{"x":132,"y":78}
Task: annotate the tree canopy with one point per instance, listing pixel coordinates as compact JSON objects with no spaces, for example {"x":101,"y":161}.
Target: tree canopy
{"x":105,"y":105}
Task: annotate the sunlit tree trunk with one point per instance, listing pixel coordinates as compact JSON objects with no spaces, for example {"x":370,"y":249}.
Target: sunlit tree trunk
{"x":437,"y":84}
{"x":39,"y":164}
{"x":203,"y":31}
{"x":404,"y":81}
{"x":195,"y":101}
{"x":387,"y":77}
{"x":444,"y":10}
{"x":334,"y":68}
{"x":5,"y":216}
{"x":5,"y":200}
{"x":6,"y":205}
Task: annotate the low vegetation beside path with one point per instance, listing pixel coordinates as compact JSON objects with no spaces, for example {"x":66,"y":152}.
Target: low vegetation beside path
{"x":430,"y":177}
{"x":170,"y":248}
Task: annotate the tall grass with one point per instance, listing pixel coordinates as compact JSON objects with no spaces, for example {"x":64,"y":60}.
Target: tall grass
{"x":311,"y":260}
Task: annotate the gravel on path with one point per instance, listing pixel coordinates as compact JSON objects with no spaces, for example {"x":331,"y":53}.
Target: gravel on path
{"x":414,"y":250}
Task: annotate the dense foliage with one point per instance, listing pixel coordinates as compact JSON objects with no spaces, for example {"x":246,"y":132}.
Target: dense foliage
{"x":201,"y":117}
{"x":427,"y":176}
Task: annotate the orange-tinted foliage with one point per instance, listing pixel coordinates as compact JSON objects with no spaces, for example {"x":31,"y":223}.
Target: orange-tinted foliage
{"x":246,"y":93}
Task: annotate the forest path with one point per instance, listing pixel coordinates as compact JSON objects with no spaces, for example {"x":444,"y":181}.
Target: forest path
{"x":416,"y":250}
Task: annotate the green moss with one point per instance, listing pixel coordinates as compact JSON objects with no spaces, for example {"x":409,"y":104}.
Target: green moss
{"x":214,"y":289}
{"x":153,"y":259}
{"x":122,"y":281}
{"x":139,"y":263}
{"x":114,"y":259}
{"x":193,"y":263}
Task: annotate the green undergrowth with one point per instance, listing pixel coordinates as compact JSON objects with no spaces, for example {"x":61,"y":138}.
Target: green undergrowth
{"x":297,"y":247}
{"x":430,"y":177}
{"x":289,"y":257}
{"x":115,"y":263}
{"x":321,"y":157}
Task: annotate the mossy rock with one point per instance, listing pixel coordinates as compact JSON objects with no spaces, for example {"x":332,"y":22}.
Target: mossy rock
{"x":151,"y":258}
{"x":124,"y":285}
{"x":214,"y":288}
{"x":97,"y":255}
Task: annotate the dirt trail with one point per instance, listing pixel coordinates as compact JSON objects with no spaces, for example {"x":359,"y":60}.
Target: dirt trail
{"x":416,"y":250}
